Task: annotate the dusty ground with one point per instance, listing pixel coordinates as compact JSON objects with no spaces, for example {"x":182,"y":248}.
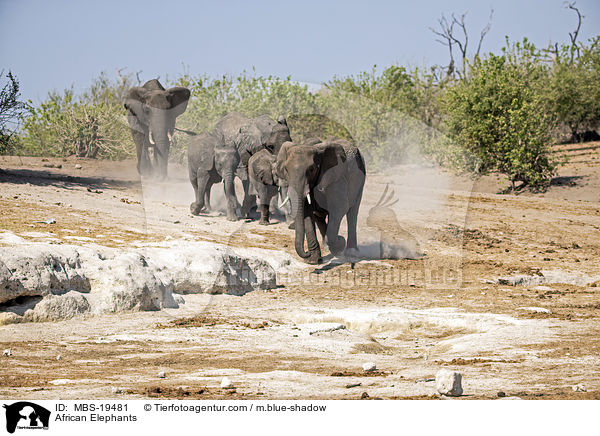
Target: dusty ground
{"x":309,"y":337}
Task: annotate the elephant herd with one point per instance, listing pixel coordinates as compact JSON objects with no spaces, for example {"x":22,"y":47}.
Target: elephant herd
{"x":321,"y":180}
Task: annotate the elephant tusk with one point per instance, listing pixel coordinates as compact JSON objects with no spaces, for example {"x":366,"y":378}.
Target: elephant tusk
{"x":285,"y":201}
{"x":308,"y":199}
{"x":150,"y":138}
{"x":170,"y":135}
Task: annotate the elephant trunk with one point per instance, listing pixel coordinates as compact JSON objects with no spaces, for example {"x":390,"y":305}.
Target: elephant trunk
{"x":298,"y":205}
{"x":162,"y":147}
{"x":305,"y":227}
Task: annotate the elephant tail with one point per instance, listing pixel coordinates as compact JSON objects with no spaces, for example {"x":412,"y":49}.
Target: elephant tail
{"x":188,"y":132}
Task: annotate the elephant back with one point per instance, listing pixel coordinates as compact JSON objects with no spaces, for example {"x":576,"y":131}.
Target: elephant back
{"x":201,"y":151}
{"x":228,"y":127}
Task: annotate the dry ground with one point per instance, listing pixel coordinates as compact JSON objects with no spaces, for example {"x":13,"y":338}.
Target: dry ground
{"x":309,"y":337}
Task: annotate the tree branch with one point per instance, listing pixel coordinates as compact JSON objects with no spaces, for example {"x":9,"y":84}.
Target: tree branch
{"x":573,"y":35}
{"x":484,"y":32}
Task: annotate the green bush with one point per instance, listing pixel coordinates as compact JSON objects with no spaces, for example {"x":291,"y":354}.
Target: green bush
{"x":573,"y":92}
{"x":501,"y":116}
{"x":496,"y":114}
{"x":11,"y":110}
{"x":91,"y":125}
{"x":212,"y":98}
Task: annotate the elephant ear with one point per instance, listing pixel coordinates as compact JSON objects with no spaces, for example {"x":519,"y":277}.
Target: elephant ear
{"x":280,"y":134}
{"x":135,"y":103}
{"x":281,"y":158}
{"x":249,"y":138}
{"x":332,"y":160}
{"x":178,"y":97}
{"x":265,"y":174}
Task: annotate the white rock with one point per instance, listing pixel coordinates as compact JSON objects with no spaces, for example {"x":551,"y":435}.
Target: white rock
{"x":226,"y":383}
{"x":579,"y":388}
{"x":7,"y":352}
{"x":60,"y":381}
{"x":116,"y":390}
{"x":58,"y":307}
{"x":61,"y":281}
{"x":542,"y":288}
{"x":40,"y":270}
{"x":78,"y":167}
{"x":449,"y":382}
{"x":535,"y":309}
{"x":369,"y":367}
{"x":59,"y":357}
{"x":161,"y":374}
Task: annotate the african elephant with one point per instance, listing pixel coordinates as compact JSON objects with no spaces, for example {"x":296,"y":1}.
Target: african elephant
{"x":209,"y":163}
{"x":325,"y":181}
{"x":151,"y":113}
{"x":263,"y":180}
{"x":237,"y":137}
{"x":263,"y":174}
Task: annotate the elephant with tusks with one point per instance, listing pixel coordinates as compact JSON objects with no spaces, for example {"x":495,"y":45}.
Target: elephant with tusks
{"x":151,"y":114}
{"x":224,"y":152}
{"x":325,"y":183}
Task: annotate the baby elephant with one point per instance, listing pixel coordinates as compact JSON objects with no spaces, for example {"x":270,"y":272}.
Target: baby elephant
{"x":264,"y":181}
{"x":209,"y":164}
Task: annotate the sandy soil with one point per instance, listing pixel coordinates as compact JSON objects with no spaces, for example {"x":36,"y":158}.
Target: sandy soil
{"x":309,"y":337}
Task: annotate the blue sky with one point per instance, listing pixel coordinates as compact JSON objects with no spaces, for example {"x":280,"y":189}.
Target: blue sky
{"x":56,"y":44}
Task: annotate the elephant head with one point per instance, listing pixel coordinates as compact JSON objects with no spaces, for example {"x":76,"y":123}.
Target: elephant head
{"x":262,"y":132}
{"x":151,"y":112}
{"x":280,"y":134}
{"x":306,"y":168}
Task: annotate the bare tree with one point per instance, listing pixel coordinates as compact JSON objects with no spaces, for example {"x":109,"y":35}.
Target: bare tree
{"x":573,"y":35}
{"x":10,"y":107}
{"x":448,"y":37}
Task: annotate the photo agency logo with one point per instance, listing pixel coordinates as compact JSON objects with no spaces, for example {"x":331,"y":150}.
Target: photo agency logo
{"x":364,"y":203}
{"x":24,"y":415}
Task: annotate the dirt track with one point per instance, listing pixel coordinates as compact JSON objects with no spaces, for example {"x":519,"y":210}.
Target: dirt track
{"x":309,"y":337}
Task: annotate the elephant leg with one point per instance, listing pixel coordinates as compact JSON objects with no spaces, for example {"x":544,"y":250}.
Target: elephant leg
{"x":155,"y":156}
{"x":267,"y":194}
{"x":352,"y":245}
{"x":335,"y":242}
{"x":264,"y":214}
{"x":321,"y":223}
{"x":249,"y":200}
{"x":287,"y":208}
{"x":226,"y":163}
{"x":194,"y":182}
{"x":202,"y":179}
{"x":311,"y":240}
{"x":214,"y":178}
{"x":352,"y":220}
{"x":263,"y":201}
{"x":207,"y":197}
{"x":229,"y":188}
{"x":143,"y":161}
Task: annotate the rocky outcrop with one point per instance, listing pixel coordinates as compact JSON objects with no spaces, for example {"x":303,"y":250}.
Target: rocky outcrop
{"x":46,"y":282}
{"x":27,"y":271}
